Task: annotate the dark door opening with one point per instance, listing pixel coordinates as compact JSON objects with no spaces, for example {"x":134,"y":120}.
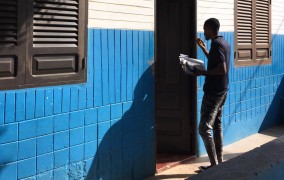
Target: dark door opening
{"x":175,"y":92}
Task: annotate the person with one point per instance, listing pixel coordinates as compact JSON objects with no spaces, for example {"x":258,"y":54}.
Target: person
{"x":215,"y":90}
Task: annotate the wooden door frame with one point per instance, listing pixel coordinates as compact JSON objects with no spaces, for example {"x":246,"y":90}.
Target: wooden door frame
{"x":192,"y":80}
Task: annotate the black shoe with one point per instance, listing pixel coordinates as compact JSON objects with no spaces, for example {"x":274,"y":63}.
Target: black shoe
{"x":203,"y":168}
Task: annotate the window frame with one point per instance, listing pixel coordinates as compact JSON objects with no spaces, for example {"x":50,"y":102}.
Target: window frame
{"x":240,"y":59}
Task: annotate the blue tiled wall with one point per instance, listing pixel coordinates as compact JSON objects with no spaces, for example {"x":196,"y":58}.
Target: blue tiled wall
{"x":100,"y":129}
{"x":253,"y":101}
{"x":104,"y":128}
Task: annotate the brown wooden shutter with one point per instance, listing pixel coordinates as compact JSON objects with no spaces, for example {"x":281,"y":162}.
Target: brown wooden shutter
{"x":12,"y":43}
{"x":57,"y":41}
{"x":244,"y":32}
{"x":262,"y":30}
{"x":253,"y":34}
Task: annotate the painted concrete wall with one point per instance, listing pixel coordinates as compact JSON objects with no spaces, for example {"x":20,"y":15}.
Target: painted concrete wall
{"x":277,"y":17}
{"x":253,"y":101}
{"x":99,"y":129}
{"x":122,"y":14}
{"x":104,"y":128}
{"x":221,"y":9}
{"x":224,"y":11}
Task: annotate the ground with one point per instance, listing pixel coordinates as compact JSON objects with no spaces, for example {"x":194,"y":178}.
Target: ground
{"x":189,"y":169}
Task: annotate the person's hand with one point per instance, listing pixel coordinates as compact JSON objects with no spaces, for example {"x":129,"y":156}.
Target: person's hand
{"x":201,"y":44}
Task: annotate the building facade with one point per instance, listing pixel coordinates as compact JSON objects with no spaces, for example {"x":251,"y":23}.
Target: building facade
{"x":105,"y":128}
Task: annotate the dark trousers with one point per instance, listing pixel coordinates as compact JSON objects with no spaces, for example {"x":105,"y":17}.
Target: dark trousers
{"x":211,"y":118}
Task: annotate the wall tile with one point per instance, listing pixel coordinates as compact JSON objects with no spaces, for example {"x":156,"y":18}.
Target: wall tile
{"x":9,"y":171}
{"x":45,"y":126}
{"x":61,"y":140}
{"x":76,"y":153}
{"x":44,"y":144}
{"x":104,"y":113}
{"x":76,"y":136}
{"x":61,"y":122}
{"x":28,"y":129}
{"x":77,"y":119}
{"x":91,"y":133}
{"x":91,"y":116}
{"x":26,"y":168}
{"x":20,"y":106}
{"x":61,"y":158}
{"x":9,"y":153}
{"x":10,"y":108}
{"x":44,"y":163}
{"x":27,"y":149}
{"x":39,"y":108}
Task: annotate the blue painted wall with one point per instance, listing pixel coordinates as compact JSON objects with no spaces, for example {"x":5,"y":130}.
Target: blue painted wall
{"x":100,"y":129}
{"x":104,"y":128}
{"x":253,"y":100}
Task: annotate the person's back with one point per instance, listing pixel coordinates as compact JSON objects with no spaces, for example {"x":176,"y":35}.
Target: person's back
{"x":219,"y":53}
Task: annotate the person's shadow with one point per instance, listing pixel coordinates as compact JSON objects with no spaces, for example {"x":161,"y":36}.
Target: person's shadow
{"x":126,"y":151}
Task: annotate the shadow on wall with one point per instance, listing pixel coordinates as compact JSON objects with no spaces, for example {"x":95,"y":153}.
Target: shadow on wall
{"x":126,"y":150}
{"x":3,"y":160}
{"x":275,"y":113}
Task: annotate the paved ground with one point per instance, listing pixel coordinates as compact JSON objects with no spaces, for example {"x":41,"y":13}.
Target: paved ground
{"x":189,"y":169}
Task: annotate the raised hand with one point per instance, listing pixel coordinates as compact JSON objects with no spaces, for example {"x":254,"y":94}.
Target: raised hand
{"x":201,"y":44}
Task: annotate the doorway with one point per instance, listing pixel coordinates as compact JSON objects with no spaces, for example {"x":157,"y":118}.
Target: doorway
{"x":175,"y":92}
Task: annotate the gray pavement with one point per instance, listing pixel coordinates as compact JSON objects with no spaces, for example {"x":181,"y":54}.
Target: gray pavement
{"x":189,"y":169}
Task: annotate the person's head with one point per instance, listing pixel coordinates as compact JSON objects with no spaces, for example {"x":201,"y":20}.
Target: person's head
{"x":211,"y":28}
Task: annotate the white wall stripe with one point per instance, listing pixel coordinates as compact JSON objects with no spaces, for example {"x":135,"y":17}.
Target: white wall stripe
{"x":139,"y":14}
{"x":220,"y":9}
{"x":121,"y":14}
{"x":277,"y":17}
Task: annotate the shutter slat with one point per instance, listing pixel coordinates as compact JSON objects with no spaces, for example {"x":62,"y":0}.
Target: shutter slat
{"x":50,"y":40}
{"x":54,"y":29}
{"x":9,"y":3}
{"x":55,"y":23}
{"x":52,"y":17}
{"x":11,"y":14}
{"x":55,"y":12}
{"x":52,"y":45}
{"x":8,"y":23}
{"x":67,"y":2}
{"x":4,"y":8}
{"x":244,"y":28}
{"x":56,"y":17}
{"x":246,"y":17}
{"x":8,"y":33}
{"x":55,"y":6}
{"x":57,"y":34}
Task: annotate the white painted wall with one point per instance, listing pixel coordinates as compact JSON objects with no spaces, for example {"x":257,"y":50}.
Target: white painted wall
{"x":277,"y":16}
{"x":224,"y":11}
{"x":139,"y":14}
{"x":220,"y":9}
{"x":121,"y":14}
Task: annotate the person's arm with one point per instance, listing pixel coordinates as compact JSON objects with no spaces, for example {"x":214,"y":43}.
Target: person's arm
{"x":202,"y":45}
{"x":220,"y":69}
{"x":218,"y":56}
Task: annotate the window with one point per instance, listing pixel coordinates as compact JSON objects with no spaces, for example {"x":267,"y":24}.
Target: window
{"x":42,"y":42}
{"x":252,"y":32}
